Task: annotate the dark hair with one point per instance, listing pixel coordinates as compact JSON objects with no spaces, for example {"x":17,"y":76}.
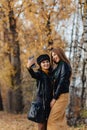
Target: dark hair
{"x":42,"y":58}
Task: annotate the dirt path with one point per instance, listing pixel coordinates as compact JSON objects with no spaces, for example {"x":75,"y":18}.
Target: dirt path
{"x":18,"y":122}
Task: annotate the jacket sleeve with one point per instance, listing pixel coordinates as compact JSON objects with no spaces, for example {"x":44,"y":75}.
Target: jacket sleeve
{"x":64,"y":74}
{"x":35,"y":75}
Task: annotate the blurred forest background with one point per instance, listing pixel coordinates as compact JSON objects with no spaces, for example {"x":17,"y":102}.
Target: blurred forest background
{"x":33,"y":27}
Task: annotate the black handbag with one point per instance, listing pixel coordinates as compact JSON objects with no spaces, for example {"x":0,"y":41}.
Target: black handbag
{"x":36,"y":112}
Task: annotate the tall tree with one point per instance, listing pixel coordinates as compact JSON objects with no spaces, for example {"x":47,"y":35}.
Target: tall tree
{"x":14,"y":57}
{"x":29,"y":26}
{"x":44,"y":17}
{"x":78,"y":59}
{"x":84,"y":70}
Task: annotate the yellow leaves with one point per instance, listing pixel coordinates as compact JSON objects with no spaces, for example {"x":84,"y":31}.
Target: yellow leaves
{"x":19,"y":121}
{"x":85,"y":8}
{"x":35,"y":27}
{"x":63,"y":15}
{"x":81,"y":1}
{"x":12,"y":3}
{"x":66,"y":9}
{"x":6,"y":48}
{"x":64,"y":2}
{"x":5,"y":72}
{"x":5,"y":19}
{"x":44,"y":15}
{"x":50,"y":2}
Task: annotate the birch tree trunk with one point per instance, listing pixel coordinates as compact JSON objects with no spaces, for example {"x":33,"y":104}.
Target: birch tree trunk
{"x":84,"y":74}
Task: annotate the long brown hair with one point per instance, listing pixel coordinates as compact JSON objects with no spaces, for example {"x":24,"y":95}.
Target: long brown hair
{"x":61,"y":54}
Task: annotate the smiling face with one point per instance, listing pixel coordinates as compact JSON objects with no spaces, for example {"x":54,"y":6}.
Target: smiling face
{"x":45,"y":64}
{"x":55,"y":57}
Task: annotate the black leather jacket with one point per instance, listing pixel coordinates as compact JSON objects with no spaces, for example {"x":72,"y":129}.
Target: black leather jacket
{"x":61,"y":77}
{"x":44,"y":85}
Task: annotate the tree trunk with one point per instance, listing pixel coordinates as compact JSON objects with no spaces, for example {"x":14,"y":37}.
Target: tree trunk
{"x":48,"y":26}
{"x":15,"y":104}
{"x":76,"y":85}
{"x":84,"y":74}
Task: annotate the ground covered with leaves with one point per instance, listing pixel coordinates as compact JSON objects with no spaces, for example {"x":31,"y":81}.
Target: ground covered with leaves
{"x":15,"y":122}
{"x":20,"y":122}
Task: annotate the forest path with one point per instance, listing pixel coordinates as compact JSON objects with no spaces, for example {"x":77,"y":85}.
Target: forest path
{"x":19,"y":122}
{"x":15,"y":122}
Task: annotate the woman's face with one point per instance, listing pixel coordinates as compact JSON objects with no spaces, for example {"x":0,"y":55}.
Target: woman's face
{"x":45,"y":64}
{"x":55,"y":57}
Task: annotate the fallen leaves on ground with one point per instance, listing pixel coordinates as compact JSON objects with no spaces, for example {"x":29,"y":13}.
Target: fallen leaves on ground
{"x":19,"y":122}
{"x":15,"y":122}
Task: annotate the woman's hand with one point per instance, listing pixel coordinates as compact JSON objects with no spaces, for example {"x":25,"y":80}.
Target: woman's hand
{"x":30,"y":63}
{"x":52,"y":102}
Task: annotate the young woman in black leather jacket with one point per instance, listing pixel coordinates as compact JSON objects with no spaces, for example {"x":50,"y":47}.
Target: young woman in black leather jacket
{"x":44,"y":85}
{"x":61,"y":76}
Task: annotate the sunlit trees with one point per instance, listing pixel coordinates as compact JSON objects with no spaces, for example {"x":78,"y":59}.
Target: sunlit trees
{"x":27,"y":27}
{"x":13,"y":52}
{"x":43,"y":17}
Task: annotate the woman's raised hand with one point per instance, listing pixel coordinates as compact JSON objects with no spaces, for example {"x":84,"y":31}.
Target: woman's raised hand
{"x":30,"y":62}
